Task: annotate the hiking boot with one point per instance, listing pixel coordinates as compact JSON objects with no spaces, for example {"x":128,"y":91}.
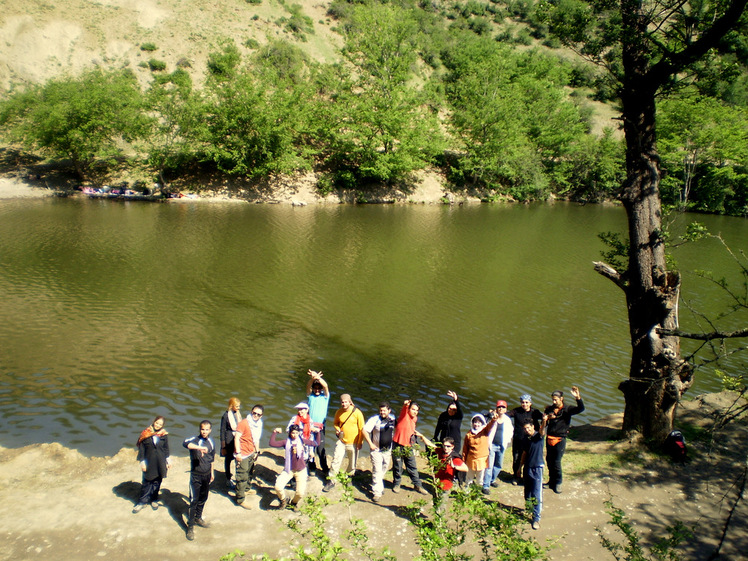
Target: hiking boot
{"x":535,"y":525}
{"x":154,"y":506}
{"x":328,"y":486}
{"x":283,"y":504}
{"x":486,"y":491}
{"x":557,"y":489}
{"x":202,"y":523}
{"x":396,"y":488}
{"x":190,"y":533}
{"x":376,"y":498}
{"x":421,"y":490}
{"x":245,"y":505}
{"x":495,"y":483}
{"x":137,"y":508}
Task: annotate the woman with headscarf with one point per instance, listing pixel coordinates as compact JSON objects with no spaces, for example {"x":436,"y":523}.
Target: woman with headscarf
{"x":475,"y":447}
{"x":296,"y":457}
{"x":153,"y":455}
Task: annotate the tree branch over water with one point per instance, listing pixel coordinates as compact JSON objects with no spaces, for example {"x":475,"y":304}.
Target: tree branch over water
{"x":703,"y":336}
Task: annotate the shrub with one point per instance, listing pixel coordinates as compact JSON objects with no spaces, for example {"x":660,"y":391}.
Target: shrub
{"x":156,"y":65}
{"x":148,"y":47}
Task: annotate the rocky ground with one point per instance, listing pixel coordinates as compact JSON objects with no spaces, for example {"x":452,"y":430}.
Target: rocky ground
{"x":60,"y":504}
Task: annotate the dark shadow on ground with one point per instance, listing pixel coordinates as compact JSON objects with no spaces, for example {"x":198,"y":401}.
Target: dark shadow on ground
{"x":176,"y":504}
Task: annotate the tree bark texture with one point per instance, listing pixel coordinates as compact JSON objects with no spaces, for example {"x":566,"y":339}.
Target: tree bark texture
{"x":657,"y":375}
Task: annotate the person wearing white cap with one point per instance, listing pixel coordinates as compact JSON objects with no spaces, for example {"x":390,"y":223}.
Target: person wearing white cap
{"x":498,"y":441}
{"x":475,"y":448}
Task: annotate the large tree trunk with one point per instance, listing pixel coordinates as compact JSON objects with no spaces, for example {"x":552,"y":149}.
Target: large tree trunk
{"x":657,"y":376}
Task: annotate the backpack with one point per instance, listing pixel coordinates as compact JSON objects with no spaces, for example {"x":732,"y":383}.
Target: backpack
{"x":675,"y":446}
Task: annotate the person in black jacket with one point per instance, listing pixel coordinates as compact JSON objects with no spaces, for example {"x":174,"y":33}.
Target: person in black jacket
{"x":153,"y":455}
{"x":559,"y":422}
{"x":231,"y":418}
{"x":202,"y":454}
{"x":520,"y":415}
{"x":449,"y":421}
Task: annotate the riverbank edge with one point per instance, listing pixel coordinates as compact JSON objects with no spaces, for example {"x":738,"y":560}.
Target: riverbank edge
{"x":73,"y":506}
{"x":297,"y":190}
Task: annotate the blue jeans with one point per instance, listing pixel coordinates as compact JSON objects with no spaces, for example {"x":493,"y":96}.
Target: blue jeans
{"x":534,"y":490}
{"x":495,"y":460}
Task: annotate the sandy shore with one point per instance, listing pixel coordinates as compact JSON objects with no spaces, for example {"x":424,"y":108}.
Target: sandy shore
{"x":14,"y":188}
{"x":299,"y":190}
{"x":60,"y":504}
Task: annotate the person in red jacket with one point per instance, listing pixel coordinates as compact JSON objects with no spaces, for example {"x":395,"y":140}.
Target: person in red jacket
{"x":245,"y":458}
{"x":402,"y":448}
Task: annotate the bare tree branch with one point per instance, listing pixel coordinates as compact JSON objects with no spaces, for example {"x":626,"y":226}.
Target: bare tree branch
{"x":703,"y":336}
{"x":610,"y":273}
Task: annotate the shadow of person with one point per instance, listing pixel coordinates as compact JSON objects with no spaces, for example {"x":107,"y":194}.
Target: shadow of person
{"x":129,"y":490}
{"x":176,"y":504}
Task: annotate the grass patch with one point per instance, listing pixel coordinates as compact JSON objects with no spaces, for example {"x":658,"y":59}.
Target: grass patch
{"x":694,"y":433}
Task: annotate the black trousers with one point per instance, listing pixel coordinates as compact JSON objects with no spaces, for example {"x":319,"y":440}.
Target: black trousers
{"x":517,"y":457}
{"x":199,"y":490}
{"x":320,"y":450}
{"x":553,"y":456}
{"x":149,"y":490}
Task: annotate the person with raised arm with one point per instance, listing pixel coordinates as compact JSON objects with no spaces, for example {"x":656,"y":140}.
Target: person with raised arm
{"x":559,"y":422}
{"x":295,"y":462}
{"x":318,"y":397}
{"x":449,"y":422}
{"x":402,"y":448}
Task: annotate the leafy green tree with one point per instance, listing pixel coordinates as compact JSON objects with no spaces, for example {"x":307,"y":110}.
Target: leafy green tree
{"x":374,"y":123}
{"x":174,"y":137}
{"x":648,"y":46}
{"x":591,"y":170}
{"x":696,"y":132}
{"x":497,"y":96}
{"x":81,"y":118}
{"x":254,"y":119}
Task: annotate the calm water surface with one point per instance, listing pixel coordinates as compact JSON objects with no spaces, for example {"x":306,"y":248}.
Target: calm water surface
{"x":113,"y":312}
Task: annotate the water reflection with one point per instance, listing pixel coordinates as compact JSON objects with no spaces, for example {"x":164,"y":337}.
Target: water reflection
{"x":115,"y":312}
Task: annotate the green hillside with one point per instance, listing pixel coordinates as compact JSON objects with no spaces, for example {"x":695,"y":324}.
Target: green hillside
{"x":362,"y":95}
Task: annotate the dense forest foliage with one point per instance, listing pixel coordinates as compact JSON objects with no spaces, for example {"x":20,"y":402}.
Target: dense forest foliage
{"x":480,"y":90}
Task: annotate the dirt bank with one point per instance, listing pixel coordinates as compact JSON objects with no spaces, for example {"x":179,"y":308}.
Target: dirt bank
{"x":60,"y":504}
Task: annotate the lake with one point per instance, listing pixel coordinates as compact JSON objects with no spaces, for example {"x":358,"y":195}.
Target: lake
{"x":113,"y":312}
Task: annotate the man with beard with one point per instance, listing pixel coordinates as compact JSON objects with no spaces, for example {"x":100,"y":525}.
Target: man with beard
{"x":378,"y":432}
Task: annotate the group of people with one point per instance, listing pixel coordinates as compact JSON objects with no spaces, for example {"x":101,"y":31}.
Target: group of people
{"x":476,"y":459}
